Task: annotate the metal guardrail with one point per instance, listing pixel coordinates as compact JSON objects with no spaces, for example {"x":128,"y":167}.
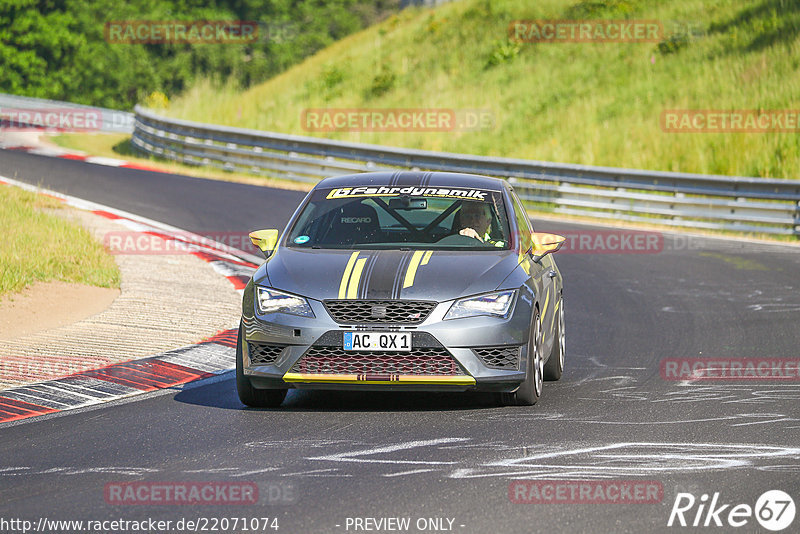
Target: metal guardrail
{"x":676,"y":199}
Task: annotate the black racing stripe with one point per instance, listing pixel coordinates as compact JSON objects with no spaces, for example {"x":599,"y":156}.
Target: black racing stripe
{"x":369,"y":266}
{"x":400,"y":273}
{"x":409,"y":178}
{"x":381,"y":285}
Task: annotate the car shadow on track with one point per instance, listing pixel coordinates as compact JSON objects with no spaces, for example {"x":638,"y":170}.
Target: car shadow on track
{"x":223,"y":395}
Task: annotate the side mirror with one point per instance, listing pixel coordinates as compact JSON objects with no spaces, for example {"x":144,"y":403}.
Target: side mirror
{"x":544,"y":244}
{"x":265,"y":240}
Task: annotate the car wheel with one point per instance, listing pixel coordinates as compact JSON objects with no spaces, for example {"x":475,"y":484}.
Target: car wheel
{"x":250,"y":396}
{"x":531,"y":389}
{"x":555,"y":364}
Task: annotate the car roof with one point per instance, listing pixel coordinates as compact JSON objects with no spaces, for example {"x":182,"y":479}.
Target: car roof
{"x":408,"y":178}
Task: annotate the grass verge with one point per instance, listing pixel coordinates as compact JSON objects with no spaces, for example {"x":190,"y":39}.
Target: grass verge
{"x":40,"y":246}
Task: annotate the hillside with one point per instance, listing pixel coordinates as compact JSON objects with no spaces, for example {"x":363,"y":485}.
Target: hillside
{"x":591,"y":103}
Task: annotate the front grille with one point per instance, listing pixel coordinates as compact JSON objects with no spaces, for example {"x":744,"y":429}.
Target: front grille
{"x":379,"y":311}
{"x":420,"y":361}
{"x":506,"y":357}
{"x":262,"y":354}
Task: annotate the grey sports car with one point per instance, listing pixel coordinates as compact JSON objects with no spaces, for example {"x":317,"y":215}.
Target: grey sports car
{"x":403,"y":281}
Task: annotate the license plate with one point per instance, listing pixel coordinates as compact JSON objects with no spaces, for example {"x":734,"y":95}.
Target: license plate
{"x":393,"y":341}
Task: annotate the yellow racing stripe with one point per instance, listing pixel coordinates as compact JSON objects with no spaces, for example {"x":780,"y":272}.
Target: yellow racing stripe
{"x":462,"y":380}
{"x":352,"y":288}
{"x":555,"y":314}
{"x":426,"y":257}
{"x":412,"y":268}
{"x":524,"y":263}
{"x":544,"y":308}
{"x":346,"y":275}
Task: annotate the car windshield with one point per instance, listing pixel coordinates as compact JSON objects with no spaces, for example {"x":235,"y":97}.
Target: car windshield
{"x":375,"y":217}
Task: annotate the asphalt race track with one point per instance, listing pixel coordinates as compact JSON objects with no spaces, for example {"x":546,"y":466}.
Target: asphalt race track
{"x":325,"y":457}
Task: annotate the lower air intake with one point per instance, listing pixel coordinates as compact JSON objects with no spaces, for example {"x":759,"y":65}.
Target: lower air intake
{"x":506,"y":357}
{"x":420,"y":362}
{"x":262,"y":354}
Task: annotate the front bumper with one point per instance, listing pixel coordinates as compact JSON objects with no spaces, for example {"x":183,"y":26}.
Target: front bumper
{"x":273,"y":346}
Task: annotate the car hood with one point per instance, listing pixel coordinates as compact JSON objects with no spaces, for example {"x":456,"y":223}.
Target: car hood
{"x":386,"y":274}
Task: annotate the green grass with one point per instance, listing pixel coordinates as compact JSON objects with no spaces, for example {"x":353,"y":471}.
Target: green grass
{"x":40,"y":246}
{"x":591,"y":103}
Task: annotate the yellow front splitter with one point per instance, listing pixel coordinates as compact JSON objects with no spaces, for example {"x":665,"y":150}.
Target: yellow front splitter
{"x":379,"y":379}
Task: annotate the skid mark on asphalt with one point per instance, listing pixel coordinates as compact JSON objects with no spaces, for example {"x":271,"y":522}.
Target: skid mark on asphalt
{"x":504,"y":460}
{"x":628,"y":387}
{"x":748,"y":394}
{"x":405,"y":473}
{"x":359,"y":455}
{"x":492,"y":459}
{"x":297,"y":443}
{"x":632,"y":459}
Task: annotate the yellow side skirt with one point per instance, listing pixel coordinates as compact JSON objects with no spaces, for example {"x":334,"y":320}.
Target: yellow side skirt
{"x":362,"y":379}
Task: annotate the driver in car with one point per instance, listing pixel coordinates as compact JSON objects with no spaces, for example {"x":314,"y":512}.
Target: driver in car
{"x":476,"y":220}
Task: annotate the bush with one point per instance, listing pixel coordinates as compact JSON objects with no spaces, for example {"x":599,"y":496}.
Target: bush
{"x":503,"y":52}
{"x":383,"y":82}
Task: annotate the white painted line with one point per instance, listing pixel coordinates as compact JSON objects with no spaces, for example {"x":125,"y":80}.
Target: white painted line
{"x":27,"y":396}
{"x":110,"y":162}
{"x":48,"y":151}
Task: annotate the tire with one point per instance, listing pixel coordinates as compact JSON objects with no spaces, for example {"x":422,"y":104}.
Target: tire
{"x":555,"y":364}
{"x":528,"y":393}
{"x":250,"y":396}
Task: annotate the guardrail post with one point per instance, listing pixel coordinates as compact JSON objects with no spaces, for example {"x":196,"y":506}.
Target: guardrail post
{"x":797,"y":218}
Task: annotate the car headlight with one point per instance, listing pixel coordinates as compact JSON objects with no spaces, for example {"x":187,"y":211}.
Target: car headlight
{"x":273,"y":301}
{"x":495,"y":304}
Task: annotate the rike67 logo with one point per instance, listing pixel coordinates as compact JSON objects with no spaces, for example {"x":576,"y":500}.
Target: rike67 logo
{"x":774,"y":510}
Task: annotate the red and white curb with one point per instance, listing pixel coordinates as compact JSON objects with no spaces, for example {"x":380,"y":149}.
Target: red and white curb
{"x":55,"y":152}
{"x":207,"y":358}
{"x":120,"y":380}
